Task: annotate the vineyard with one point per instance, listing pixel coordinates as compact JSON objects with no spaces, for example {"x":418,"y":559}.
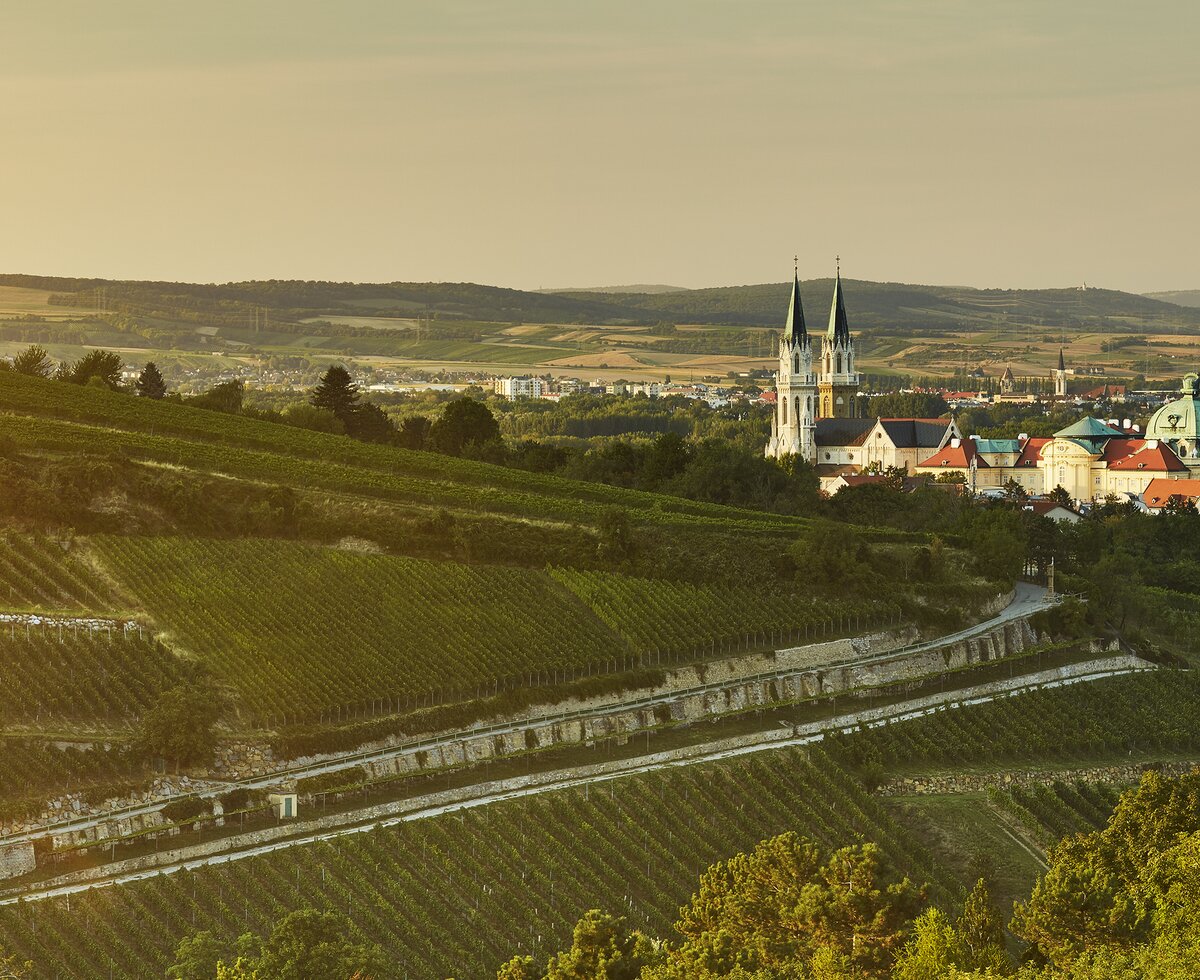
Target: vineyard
{"x":301,"y":631}
{"x":456,"y":895}
{"x":49,"y":415}
{"x":32,"y":770}
{"x":1049,"y":813}
{"x":38,"y":574}
{"x":652,"y":614}
{"x":60,"y":672}
{"x":1145,"y":712}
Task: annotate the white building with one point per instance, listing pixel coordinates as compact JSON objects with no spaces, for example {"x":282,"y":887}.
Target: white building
{"x":519,"y":387}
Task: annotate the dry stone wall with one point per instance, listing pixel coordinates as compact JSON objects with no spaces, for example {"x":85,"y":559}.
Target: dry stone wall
{"x":977,"y":782}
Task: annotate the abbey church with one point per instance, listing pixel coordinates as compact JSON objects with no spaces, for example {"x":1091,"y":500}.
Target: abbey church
{"x":817,"y":404}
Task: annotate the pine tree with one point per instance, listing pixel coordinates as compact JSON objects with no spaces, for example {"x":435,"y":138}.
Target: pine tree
{"x":337,"y":393}
{"x":982,"y":931}
{"x":33,"y":361}
{"x":150,"y":383}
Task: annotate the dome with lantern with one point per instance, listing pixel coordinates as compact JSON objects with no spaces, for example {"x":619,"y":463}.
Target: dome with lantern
{"x":1177,"y":423}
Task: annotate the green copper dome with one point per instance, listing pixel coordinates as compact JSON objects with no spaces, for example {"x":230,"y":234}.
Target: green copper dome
{"x":1178,"y":421}
{"x":1089,"y":432}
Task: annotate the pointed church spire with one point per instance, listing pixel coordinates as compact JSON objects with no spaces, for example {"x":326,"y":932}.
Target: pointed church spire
{"x":795,"y":331}
{"x":839,"y":328}
{"x":1062,"y":365}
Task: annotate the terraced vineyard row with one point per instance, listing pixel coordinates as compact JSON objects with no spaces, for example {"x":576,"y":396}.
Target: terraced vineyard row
{"x":38,"y":574}
{"x":63,"y":673}
{"x":653,"y":614}
{"x":33,"y":770}
{"x":1142,"y":711}
{"x":302,"y":630}
{"x":458,"y":894}
{"x":1050,"y":813}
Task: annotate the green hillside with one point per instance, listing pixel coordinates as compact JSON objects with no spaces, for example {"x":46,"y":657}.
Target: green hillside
{"x":875,"y":304}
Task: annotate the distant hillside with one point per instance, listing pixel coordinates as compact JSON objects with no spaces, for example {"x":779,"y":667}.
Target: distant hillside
{"x":903,"y":307}
{"x":1180,"y":297}
{"x":650,"y":289}
{"x":896,"y":307}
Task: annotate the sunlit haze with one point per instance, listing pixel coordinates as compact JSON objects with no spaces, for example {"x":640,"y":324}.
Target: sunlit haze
{"x":548,"y":144}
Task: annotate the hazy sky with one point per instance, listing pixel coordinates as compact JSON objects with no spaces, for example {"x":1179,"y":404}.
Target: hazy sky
{"x":555,"y":143}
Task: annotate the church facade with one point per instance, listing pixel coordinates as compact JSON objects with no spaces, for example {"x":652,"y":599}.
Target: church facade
{"x":812,"y":384}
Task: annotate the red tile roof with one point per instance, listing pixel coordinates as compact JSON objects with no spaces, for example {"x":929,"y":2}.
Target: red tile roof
{"x":1043,"y":507}
{"x":1156,"y":457}
{"x":1160,"y":490}
{"x":1031,"y":452}
{"x":956,"y":457}
{"x":1118,"y":449}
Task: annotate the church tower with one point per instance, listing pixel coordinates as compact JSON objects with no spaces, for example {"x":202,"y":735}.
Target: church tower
{"x":793,"y":432}
{"x":1060,"y":377}
{"x":839,"y":381}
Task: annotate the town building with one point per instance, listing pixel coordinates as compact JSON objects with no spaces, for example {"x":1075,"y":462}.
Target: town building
{"x":519,"y":387}
{"x":1090,"y":459}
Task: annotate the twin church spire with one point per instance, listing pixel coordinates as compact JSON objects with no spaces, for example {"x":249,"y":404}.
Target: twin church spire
{"x":808,"y":385}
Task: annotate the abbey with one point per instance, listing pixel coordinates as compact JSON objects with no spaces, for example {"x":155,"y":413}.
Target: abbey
{"x":818,"y":414}
{"x":811,"y":385}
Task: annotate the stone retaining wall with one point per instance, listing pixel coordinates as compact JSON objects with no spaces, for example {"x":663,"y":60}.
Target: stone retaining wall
{"x":972,"y":782}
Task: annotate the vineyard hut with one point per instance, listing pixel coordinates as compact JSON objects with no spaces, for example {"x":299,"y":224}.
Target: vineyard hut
{"x":286,"y":805}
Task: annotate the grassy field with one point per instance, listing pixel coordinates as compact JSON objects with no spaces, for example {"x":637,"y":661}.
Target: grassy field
{"x":21,"y":301}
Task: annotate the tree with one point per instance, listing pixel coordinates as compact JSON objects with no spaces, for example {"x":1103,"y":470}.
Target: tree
{"x":1015,"y":494}
{"x":518,"y":968}
{"x":1178,"y":503}
{"x":935,"y":949}
{"x":781,"y":905}
{"x":414,"y":432}
{"x":96,"y":366}
{"x":179,"y":727}
{"x":465,"y":422}
{"x":306,"y":416}
{"x":312,"y":945}
{"x":616,"y":536}
{"x":34,"y":362}
{"x":1060,"y":496}
{"x":150,"y":383}
{"x":196,"y":957}
{"x":337,"y":393}
{"x":981,"y":931}
{"x":906,"y":405}
{"x":1117,"y":887}
{"x":13,"y":969}
{"x":241,"y":969}
{"x":224,"y":397}
{"x":602,"y":948}
{"x":370,"y":423}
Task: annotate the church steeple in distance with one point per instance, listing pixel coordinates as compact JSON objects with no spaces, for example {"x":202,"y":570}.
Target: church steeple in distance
{"x":1062,"y":365}
{"x":795,"y":331}
{"x":839,"y":328}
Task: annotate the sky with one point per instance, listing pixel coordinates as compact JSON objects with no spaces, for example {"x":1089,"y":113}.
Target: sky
{"x":552,"y":143}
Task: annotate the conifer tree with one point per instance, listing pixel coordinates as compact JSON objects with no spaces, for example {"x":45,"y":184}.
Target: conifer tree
{"x":150,"y":383}
{"x":33,"y":361}
{"x":337,"y":393}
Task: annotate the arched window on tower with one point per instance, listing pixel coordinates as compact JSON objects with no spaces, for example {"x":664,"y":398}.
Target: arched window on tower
{"x":798,"y":415}
{"x":810,"y":411}
{"x":783,"y":409}
{"x":838,"y":361}
{"x":796,"y":364}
